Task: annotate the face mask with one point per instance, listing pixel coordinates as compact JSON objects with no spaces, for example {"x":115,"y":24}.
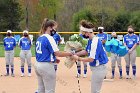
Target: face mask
{"x":53,"y":31}
{"x":100,"y":31}
{"x":9,"y":34}
{"x":26,"y":35}
{"x":84,"y":36}
{"x":130,"y":32}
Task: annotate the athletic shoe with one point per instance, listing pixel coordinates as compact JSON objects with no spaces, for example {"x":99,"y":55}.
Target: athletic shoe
{"x":85,"y":75}
{"x":128,"y":77}
{"x":134,"y":76}
{"x":29,"y":75}
{"x":22,"y":75}
{"x":78,"y":75}
{"x":6,"y":74}
{"x":12,"y":75}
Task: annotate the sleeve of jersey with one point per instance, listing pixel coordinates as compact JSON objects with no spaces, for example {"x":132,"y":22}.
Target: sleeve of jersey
{"x":59,"y":37}
{"x":137,"y":39}
{"x":52,"y":45}
{"x":93,"y":48}
{"x":31,"y":43}
{"x":124,"y":39}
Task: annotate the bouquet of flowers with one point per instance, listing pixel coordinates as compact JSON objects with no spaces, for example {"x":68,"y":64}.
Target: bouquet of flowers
{"x":75,"y":44}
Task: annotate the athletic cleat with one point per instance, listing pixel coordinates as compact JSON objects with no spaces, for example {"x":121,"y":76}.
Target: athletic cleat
{"x":128,"y":77}
{"x":78,"y":75}
{"x":6,"y":74}
{"x":85,"y":75}
{"x":12,"y":75}
{"x":29,"y":75}
{"x":134,"y":76}
{"x":22,"y":75}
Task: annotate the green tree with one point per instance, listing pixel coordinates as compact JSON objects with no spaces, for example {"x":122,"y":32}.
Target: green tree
{"x":10,"y":15}
{"x":121,"y":21}
{"x":84,"y":14}
{"x":135,"y":20}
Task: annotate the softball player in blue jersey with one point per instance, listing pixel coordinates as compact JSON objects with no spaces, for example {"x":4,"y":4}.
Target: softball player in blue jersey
{"x":9,"y":45}
{"x":25,"y":44}
{"x":115,"y":58}
{"x":97,"y":57}
{"x":57,"y":39}
{"x":102,"y":36}
{"x":46,"y":52}
{"x":130,"y":41}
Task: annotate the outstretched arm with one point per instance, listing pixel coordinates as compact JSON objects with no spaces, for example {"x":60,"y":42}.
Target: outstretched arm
{"x":81,"y":53}
{"x":86,"y":59}
{"x":62,"y":54}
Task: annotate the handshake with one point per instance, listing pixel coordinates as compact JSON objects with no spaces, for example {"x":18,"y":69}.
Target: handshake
{"x":72,"y":48}
{"x":70,"y":60}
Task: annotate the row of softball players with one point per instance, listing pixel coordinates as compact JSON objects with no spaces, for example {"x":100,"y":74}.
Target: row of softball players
{"x":25,"y":44}
{"x":131,"y":41}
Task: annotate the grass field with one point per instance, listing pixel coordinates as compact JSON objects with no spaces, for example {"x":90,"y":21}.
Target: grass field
{"x":61,"y":47}
{"x":17,"y":50}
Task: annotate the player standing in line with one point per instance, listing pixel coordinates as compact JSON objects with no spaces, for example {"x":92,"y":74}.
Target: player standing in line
{"x":9,"y":45}
{"x":102,"y":36}
{"x":114,"y":57}
{"x":57,"y":39}
{"x":25,"y":44}
{"x":97,"y":57}
{"x":130,"y":41}
{"x":46,"y":52}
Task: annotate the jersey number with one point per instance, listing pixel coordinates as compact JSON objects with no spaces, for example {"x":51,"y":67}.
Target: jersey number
{"x":38,"y":47}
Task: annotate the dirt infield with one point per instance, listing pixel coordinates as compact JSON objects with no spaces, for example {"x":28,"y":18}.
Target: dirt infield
{"x":66,"y":81}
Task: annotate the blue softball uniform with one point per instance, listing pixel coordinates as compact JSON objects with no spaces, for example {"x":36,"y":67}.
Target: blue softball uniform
{"x":96,"y":51}
{"x":9,"y":43}
{"x":57,"y":38}
{"x":25,"y":43}
{"x":130,"y":40}
{"x":45,"y":48}
{"x":102,"y":36}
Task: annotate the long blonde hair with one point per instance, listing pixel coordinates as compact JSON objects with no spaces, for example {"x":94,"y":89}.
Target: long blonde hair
{"x":45,"y":24}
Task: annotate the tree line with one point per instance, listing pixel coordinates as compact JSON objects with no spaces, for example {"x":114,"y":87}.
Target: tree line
{"x":114,"y":15}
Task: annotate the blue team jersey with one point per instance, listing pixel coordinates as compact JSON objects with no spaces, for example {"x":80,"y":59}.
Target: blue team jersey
{"x":57,"y":38}
{"x":102,"y":36}
{"x":45,"y":48}
{"x":130,"y":40}
{"x":96,"y":51}
{"x":25,"y":43}
{"x":9,"y":43}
